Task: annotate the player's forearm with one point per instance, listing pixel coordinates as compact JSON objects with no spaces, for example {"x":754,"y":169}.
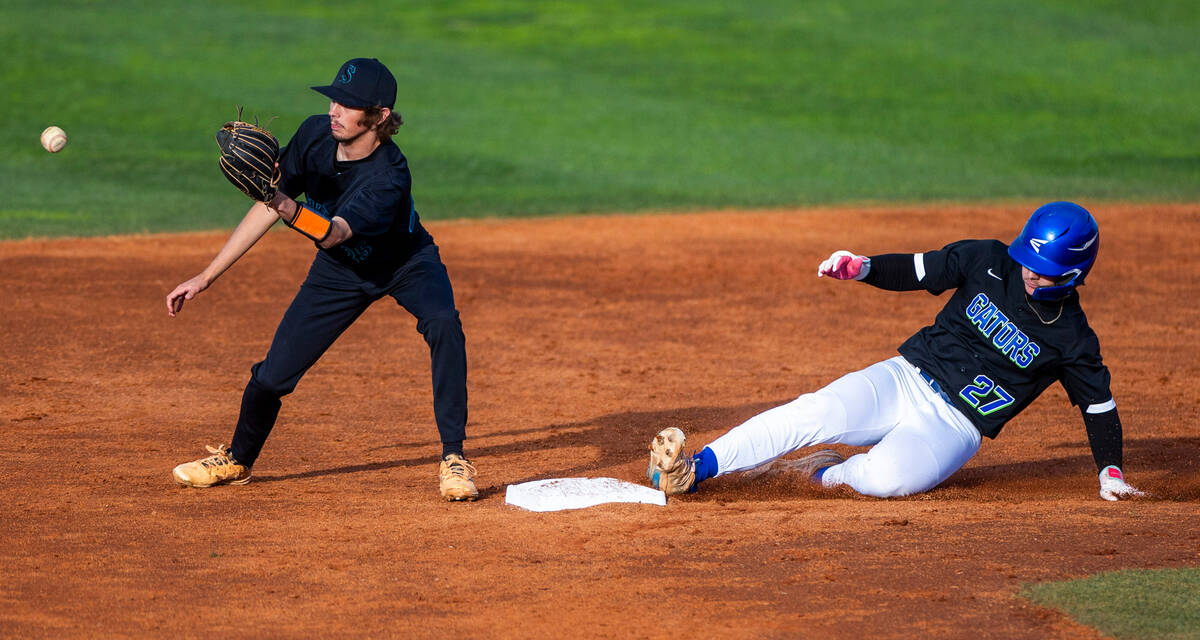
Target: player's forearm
{"x":254,"y":225}
{"x":339,"y":232}
{"x":894,"y":272}
{"x":326,"y":232}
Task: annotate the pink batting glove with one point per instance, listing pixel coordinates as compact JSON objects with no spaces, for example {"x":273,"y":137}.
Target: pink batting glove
{"x":844,"y":265}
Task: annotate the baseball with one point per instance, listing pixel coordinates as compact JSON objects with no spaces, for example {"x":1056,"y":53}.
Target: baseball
{"x":54,"y":139}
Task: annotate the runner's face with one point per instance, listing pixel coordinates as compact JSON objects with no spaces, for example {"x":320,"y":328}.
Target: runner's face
{"x":1035,"y":280}
{"x":345,"y":123}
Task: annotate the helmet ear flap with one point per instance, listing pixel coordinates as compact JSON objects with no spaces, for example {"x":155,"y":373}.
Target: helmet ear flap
{"x":1061,"y":289}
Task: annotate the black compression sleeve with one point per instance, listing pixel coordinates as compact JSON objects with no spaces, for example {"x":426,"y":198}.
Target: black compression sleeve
{"x":894,"y":272}
{"x":1104,"y":435}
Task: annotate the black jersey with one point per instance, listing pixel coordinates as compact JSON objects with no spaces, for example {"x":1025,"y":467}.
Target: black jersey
{"x":992,"y":349}
{"x":373,"y":195}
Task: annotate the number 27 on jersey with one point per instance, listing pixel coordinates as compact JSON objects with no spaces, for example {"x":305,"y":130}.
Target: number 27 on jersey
{"x":979,"y":395}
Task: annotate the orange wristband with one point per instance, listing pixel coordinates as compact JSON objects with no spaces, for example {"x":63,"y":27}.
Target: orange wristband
{"x":310,"y":223}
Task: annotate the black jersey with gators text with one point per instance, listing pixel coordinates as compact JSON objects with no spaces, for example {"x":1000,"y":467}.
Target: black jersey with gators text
{"x":989,"y":349}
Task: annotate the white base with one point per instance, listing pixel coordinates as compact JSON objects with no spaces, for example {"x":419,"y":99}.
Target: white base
{"x":576,"y":493}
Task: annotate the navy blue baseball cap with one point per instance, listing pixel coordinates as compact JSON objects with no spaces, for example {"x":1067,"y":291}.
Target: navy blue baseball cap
{"x":362,"y":83}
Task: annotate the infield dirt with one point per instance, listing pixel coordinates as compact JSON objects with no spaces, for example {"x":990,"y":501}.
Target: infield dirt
{"x":585,"y":337}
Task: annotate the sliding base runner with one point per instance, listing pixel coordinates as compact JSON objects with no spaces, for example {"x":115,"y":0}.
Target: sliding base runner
{"x":1012,"y":327}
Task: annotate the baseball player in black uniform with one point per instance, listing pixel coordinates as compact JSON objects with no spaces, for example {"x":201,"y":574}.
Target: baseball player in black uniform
{"x":1012,"y":327}
{"x":357,"y":187}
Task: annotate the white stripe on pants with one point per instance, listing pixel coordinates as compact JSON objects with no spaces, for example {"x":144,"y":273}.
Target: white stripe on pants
{"x":917,"y":439}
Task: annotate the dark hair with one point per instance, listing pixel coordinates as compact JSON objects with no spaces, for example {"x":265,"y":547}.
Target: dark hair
{"x":386,"y":128}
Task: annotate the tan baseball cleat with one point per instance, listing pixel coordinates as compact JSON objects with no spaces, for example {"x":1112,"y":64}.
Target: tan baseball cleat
{"x":219,"y":468}
{"x":670,"y":470}
{"x":457,"y":478}
{"x":807,"y":467}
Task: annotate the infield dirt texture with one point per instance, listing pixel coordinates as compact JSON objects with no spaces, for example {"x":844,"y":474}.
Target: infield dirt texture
{"x":586,"y":336}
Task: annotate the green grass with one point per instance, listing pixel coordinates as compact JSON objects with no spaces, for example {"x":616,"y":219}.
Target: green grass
{"x":1130,"y":605}
{"x":526,"y":108}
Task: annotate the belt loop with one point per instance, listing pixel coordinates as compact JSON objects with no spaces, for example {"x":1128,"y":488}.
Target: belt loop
{"x":937,"y":388}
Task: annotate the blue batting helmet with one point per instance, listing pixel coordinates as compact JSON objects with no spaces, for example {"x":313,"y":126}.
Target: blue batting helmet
{"x":1060,"y":240}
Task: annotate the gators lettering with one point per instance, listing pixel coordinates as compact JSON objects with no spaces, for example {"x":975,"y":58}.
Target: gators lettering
{"x":1005,"y":336}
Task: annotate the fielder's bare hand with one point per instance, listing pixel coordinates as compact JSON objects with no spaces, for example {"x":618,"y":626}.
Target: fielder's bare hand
{"x":185,"y":291}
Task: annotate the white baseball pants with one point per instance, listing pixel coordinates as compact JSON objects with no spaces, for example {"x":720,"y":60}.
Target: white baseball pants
{"x":917,"y":439}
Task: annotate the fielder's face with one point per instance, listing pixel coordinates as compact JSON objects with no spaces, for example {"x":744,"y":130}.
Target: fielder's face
{"x":1035,"y":280}
{"x":345,"y":123}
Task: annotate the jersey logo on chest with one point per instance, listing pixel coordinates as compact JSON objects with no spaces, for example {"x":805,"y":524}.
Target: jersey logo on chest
{"x":1005,"y":336}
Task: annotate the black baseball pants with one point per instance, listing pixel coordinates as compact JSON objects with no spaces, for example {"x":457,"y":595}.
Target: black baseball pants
{"x":331,"y":298}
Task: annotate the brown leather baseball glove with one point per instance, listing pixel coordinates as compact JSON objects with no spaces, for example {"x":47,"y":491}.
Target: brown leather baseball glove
{"x":249,"y":154}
